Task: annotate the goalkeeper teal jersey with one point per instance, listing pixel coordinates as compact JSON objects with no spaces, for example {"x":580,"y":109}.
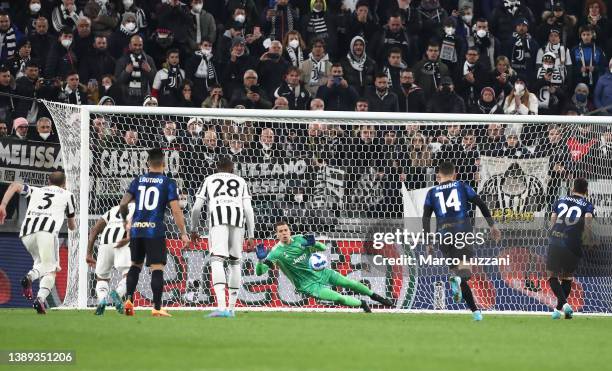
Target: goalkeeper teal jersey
{"x":292,"y":259}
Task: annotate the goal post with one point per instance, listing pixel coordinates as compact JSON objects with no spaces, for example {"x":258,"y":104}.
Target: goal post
{"x":346,"y":176}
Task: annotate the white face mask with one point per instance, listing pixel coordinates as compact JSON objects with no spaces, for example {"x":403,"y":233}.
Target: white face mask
{"x":128,"y":3}
{"x":240,"y":18}
{"x":467,"y":18}
{"x":35,"y":7}
{"x":198,"y":129}
{"x":130,"y":26}
{"x":207,"y":52}
{"x":107,"y":86}
{"x":449,"y":30}
{"x":197,"y":7}
{"x":170,"y":138}
{"x":183,"y":204}
{"x":298,"y":197}
{"x":481,"y":33}
{"x":548,"y":65}
{"x":294,"y":43}
{"x":44,"y":135}
{"x":519,"y":89}
{"x":66,"y":43}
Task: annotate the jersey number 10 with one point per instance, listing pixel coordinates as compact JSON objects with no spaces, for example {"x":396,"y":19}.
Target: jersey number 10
{"x":147,"y":198}
{"x":451,"y":202}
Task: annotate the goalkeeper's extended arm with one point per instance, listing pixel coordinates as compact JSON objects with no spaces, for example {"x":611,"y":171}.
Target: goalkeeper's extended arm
{"x":263,"y":264}
{"x":312,"y":243}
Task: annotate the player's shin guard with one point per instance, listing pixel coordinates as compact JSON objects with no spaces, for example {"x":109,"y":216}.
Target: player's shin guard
{"x":46,"y":285}
{"x":121,"y":287}
{"x":566,"y":285}
{"x":132,"y":281}
{"x":233,"y":281}
{"x":556,"y":288}
{"x":466,"y":291}
{"x":218,"y":278}
{"x":157,"y":286}
{"x":101,"y":290}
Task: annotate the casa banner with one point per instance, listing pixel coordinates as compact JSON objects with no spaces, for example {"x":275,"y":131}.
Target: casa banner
{"x":27,"y":161}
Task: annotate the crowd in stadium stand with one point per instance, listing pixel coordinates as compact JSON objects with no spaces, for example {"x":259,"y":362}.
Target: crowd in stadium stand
{"x":520,"y":57}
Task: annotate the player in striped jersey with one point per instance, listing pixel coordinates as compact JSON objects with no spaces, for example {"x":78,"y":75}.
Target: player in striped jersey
{"x":113,"y":251}
{"x":229,"y":209}
{"x":44,"y":218}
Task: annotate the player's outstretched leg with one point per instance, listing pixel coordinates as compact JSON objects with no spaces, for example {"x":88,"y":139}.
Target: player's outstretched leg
{"x":455,"y":284}
{"x":339,"y":280}
{"x":157,"y":286}
{"x":556,"y":288}
{"x":101,"y":293}
{"x":131,"y":282}
{"x":466,"y":292}
{"x":349,"y":301}
{"x":46,"y":285}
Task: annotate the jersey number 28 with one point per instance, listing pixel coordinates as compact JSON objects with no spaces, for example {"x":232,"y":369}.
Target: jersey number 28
{"x":230,"y":188}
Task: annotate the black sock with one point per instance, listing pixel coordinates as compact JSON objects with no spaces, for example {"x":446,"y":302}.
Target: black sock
{"x":131,"y":281}
{"x":467,"y":296}
{"x":566,"y":285}
{"x":558,"y":291}
{"x":157,"y":285}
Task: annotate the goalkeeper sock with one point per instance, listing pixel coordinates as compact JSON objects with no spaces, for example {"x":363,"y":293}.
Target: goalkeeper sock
{"x":233,"y":282}
{"x":157,"y":285}
{"x":466,"y":291}
{"x":132,"y":281}
{"x":121,"y":287}
{"x":33,"y":275}
{"x":566,"y":285}
{"x":101,"y":290}
{"x":46,"y":284}
{"x":556,"y":288}
{"x":218,"y":279}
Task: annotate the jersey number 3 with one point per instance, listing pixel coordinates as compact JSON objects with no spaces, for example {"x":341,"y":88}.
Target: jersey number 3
{"x":451,"y":202}
{"x":148,"y":198}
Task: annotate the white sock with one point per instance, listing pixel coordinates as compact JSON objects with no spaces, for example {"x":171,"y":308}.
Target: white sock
{"x":234,"y":278}
{"x":33,"y":275}
{"x":218,"y":279}
{"x":101,"y":290}
{"x":121,"y":287}
{"x":46,"y":284}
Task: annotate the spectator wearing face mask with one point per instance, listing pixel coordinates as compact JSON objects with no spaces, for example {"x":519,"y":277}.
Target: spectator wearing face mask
{"x":202,"y":69}
{"x":580,"y":100}
{"x":203,"y":26}
{"x":236,"y":65}
{"x":128,"y":6}
{"x":412,"y":98}
{"x":453,"y":48}
{"x":488,"y":45}
{"x":549,"y":86}
{"x":294,"y":49}
{"x":520,"y":101}
{"x":562,"y":55}
{"x":120,"y":39}
{"x":20,"y":127}
{"x":61,"y":58}
{"x":43,"y":132}
{"x":25,"y":19}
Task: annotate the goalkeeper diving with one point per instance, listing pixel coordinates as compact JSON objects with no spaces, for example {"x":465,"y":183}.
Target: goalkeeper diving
{"x":292,"y":254}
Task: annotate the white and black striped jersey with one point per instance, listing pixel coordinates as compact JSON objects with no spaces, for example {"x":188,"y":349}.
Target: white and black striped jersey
{"x":226,"y":195}
{"x":48,"y":208}
{"x":114,"y":230}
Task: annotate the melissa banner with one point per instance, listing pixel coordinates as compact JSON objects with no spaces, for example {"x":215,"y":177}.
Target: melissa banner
{"x":27,"y":161}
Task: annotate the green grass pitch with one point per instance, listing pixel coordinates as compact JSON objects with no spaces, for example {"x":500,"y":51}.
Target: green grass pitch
{"x":310,"y":341}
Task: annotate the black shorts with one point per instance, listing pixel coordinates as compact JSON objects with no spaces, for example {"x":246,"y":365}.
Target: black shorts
{"x":561,"y":260}
{"x":153,"y":248}
{"x":450,"y":251}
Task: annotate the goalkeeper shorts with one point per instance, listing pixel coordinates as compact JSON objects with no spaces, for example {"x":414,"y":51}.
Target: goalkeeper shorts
{"x":329,"y":277}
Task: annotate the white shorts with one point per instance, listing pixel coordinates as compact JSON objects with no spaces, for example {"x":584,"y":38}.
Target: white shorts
{"x":44,"y":248}
{"x":226,"y":240}
{"x":109,"y":256}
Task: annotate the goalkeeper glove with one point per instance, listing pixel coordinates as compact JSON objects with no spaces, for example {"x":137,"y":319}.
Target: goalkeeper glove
{"x":310,"y":240}
{"x":261,"y":251}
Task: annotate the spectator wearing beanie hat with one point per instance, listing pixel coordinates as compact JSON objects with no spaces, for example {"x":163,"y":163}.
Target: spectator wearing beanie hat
{"x":486,"y":103}
{"x":237,"y":64}
{"x":523,"y":50}
{"x":558,"y":19}
{"x":119,"y":40}
{"x":20,"y":129}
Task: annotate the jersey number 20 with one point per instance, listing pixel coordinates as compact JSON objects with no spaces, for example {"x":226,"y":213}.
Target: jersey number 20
{"x":451,"y":202}
{"x":147,"y":198}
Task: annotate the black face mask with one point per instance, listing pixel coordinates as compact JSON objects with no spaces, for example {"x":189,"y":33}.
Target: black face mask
{"x":406,"y":85}
{"x":273,"y":56}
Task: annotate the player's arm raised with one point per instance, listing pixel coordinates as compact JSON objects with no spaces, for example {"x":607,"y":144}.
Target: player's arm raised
{"x":15,"y":187}
{"x":93,"y":235}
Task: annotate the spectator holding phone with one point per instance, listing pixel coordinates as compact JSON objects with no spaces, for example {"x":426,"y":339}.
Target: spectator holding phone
{"x":337,"y":94}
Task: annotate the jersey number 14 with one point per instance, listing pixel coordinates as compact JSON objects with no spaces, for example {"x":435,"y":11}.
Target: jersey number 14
{"x":452,"y":202}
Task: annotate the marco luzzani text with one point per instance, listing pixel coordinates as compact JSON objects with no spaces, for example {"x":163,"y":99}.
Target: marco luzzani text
{"x":412,"y":239}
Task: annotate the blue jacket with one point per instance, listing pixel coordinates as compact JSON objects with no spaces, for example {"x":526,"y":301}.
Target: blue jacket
{"x":603,"y":91}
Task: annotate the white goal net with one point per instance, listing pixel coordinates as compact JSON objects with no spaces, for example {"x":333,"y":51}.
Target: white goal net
{"x":343,"y":176}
